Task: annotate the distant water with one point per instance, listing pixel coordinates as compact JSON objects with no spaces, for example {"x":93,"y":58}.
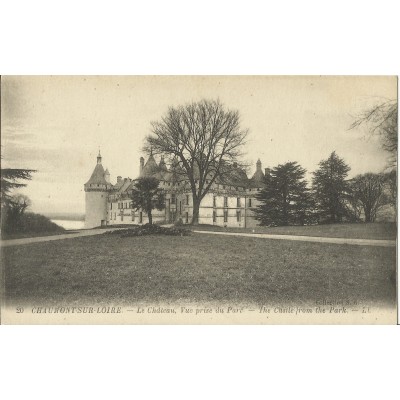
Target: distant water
{"x":69,"y":224}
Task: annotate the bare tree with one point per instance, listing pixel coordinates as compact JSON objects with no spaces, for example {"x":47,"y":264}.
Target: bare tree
{"x":391,"y":184}
{"x":382,"y":120}
{"x":205,"y":138}
{"x":368,"y":190}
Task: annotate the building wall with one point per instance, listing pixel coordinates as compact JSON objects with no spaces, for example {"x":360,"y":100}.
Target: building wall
{"x":121,"y":213}
{"x":251,"y":221}
{"x":100,"y":206}
{"x":95,"y":209}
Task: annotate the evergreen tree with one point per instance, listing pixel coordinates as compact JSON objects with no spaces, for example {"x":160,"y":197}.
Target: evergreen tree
{"x":146,"y":195}
{"x":10,"y":178}
{"x":331,"y":189}
{"x":285,"y":200}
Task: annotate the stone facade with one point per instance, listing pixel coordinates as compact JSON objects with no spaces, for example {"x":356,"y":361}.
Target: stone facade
{"x":228,"y":203}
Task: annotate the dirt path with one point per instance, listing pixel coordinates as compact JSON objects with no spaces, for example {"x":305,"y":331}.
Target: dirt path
{"x":16,"y":242}
{"x":316,"y":239}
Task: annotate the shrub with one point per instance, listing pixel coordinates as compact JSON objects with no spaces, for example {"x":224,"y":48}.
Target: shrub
{"x":179,"y":222}
{"x":150,"y":230}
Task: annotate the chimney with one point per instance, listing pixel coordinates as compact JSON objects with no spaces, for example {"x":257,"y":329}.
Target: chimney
{"x":141,"y":163}
{"x":107,"y":176}
{"x":119,"y":179}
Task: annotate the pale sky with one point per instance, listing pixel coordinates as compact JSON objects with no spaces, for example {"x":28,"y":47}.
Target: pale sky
{"x":57,"y":124}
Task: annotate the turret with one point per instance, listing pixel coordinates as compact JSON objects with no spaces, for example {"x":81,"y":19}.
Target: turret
{"x":96,"y":194}
{"x":258,"y":175}
{"x":162,"y":164}
{"x":107,"y":176}
{"x":141,"y":165}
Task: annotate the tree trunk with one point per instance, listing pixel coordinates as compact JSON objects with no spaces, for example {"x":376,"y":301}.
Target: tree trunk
{"x":196,"y":211}
{"x":368,"y":216}
{"x":150,"y":217}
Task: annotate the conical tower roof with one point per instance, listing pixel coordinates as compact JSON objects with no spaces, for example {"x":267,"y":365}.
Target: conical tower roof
{"x":97,"y":176}
{"x":150,"y":168}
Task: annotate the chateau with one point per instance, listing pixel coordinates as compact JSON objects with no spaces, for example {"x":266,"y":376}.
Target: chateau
{"x":228,"y":203}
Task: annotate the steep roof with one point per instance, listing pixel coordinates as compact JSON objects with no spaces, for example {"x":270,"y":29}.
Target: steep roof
{"x":150,"y":168}
{"x":97,"y":176}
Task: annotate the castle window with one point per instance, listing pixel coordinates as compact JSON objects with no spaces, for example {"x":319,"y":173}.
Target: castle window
{"x":133,"y":215}
{"x":215,"y":201}
{"x":187,"y":199}
{"x":214,"y":216}
{"x":173,"y":198}
{"x":226,"y":216}
{"x":238,"y":202}
{"x":111,"y":206}
{"x":249,"y":202}
{"x":225,"y":201}
{"x":238,"y":216}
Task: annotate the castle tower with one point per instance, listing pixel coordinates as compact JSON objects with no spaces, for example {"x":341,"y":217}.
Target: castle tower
{"x":258,"y":175}
{"x":96,"y":194}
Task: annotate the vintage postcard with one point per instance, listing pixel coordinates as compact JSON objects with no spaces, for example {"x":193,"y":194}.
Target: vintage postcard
{"x":199,"y":199}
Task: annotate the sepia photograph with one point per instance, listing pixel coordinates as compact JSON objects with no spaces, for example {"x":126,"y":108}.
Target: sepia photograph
{"x":199,"y":199}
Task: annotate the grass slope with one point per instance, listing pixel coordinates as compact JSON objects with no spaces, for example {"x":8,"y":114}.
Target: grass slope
{"x":107,"y":269}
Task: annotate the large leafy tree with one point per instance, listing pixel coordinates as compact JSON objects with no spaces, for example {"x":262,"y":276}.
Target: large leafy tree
{"x":285,"y":200}
{"x":205,"y":139}
{"x":147,"y":196}
{"x":331,"y":189}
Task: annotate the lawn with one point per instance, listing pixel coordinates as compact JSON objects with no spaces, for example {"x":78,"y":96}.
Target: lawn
{"x":107,"y":269}
{"x":382,"y":230}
